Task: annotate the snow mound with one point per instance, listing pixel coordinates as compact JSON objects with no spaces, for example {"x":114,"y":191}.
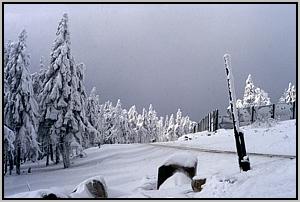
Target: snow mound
{"x":184,"y":159}
{"x":41,"y":193}
{"x":83,"y":190}
{"x":178,"y":179}
{"x":147,"y":183}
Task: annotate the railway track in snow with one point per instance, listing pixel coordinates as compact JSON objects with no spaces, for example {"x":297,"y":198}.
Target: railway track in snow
{"x":222,"y":151}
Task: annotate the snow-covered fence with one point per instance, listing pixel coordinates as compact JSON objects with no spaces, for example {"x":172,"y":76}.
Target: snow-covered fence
{"x":209,"y":122}
{"x":281,"y":111}
{"x":248,"y":115}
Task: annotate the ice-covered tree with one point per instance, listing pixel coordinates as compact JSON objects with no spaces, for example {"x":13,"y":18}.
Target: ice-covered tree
{"x":152,"y":123}
{"x":261,"y":98}
{"x":119,"y":124}
{"x":106,"y":122}
{"x":6,"y":52}
{"x":178,"y":128}
{"x":132,"y":121}
{"x":249,"y":93}
{"x":239,"y":103}
{"x":9,"y":148}
{"x":21,"y":109}
{"x":166,"y":126}
{"x":160,"y":126}
{"x":94,"y":114}
{"x":63,"y":97}
{"x":170,"y":129}
{"x":93,"y":109}
{"x":289,"y":95}
{"x":38,"y":80}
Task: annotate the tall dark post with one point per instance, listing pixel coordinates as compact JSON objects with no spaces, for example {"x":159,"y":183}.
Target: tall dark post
{"x":244,"y":162}
{"x":294,"y":109}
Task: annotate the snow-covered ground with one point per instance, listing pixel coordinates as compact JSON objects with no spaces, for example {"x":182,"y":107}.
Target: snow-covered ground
{"x":266,"y":138}
{"x":131,"y":170}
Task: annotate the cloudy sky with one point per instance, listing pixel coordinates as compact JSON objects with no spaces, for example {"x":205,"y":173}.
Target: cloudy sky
{"x":168,"y":55}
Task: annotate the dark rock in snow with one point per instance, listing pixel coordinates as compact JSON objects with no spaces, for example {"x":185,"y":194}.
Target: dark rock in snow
{"x":197,"y":184}
{"x":183,"y":162}
{"x":97,"y":189}
{"x":94,"y":187}
{"x":49,"y":196}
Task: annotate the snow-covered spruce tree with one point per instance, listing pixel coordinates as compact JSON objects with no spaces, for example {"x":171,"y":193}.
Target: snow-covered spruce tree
{"x":170,"y":130}
{"x":38,"y":80}
{"x":120,"y":129}
{"x":160,"y":126}
{"x":86,"y":135}
{"x":21,"y":109}
{"x":63,"y":98}
{"x":6,"y":52}
{"x":152,"y":124}
{"x":92,"y":108}
{"x":106,"y":122}
{"x":186,"y":125}
{"x":261,"y":98}
{"x":9,"y":148}
{"x":166,"y":126}
{"x":289,"y":95}
{"x":178,"y":128}
{"x":94,"y":113}
{"x":132,"y":121}
{"x":249,"y":93}
{"x":141,"y":131}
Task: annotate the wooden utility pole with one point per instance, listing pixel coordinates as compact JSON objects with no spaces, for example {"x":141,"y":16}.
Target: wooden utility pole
{"x":244,"y":162}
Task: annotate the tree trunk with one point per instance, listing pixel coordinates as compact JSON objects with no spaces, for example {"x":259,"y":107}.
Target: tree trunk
{"x":51,"y":152}
{"x":65,"y":151}
{"x":67,"y":154}
{"x":57,"y":154}
{"x":5,"y":162}
{"x":18,"y":160}
{"x":11,"y":163}
{"x":47,"y":160}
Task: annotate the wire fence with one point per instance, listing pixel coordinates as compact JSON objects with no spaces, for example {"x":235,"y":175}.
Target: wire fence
{"x":213,"y":121}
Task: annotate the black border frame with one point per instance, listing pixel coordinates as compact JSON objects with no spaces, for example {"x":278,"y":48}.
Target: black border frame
{"x":2,"y":124}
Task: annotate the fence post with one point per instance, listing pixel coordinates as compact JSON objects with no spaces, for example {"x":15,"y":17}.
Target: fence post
{"x":217,"y":119}
{"x":252,"y":114}
{"x":273,"y":111}
{"x":206,"y":123}
{"x":209,"y":120}
{"x":294,"y":109}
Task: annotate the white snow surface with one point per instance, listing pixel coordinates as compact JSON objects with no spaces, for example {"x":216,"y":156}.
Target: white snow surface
{"x":266,"y":138}
{"x":181,"y":158}
{"x":130,"y":171}
{"x":178,"y":179}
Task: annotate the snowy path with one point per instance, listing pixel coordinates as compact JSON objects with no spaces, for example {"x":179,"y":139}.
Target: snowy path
{"x":221,"y":151}
{"x":125,"y":166}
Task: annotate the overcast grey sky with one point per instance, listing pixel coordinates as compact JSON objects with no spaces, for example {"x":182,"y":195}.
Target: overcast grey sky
{"x":168,"y":55}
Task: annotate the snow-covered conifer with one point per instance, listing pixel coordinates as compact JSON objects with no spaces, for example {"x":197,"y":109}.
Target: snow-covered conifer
{"x":261,"y":98}
{"x":178,"y":128}
{"x":249,"y":93}
{"x":170,"y":130}
{"x":63,"y":97}
{"x":21,"y":109}
{"x":38,"y":80}
{"x":289,"y":95}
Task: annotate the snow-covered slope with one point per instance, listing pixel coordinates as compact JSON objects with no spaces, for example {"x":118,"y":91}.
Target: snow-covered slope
{"x":131,"y":170}
{"x":267,"y":138}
